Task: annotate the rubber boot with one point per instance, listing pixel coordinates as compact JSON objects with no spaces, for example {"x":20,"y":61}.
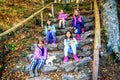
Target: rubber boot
{"x":75,"y":57}
{"x":46,"y":42}
{"x":36,"y":72}
{"x":54,"y":42}
{"x":31,"y":73}
{"x":78,"y":37}
{"x":65,"y":59}
{"x":83,"y":30}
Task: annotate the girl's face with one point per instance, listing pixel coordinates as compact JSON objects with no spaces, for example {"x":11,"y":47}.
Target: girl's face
{"x":48,"y":22}
{"x":68,"y":34}
{"x":61,"y":11}
{"x":40,"y":44}
{"x":76,"y":12}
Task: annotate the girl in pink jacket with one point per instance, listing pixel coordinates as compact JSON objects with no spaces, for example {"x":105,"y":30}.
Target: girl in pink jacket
{"x":62,"y":18}
{"x":39,"y":58}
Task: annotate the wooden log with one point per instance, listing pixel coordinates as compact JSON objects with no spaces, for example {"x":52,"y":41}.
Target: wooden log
{"x":96,"y":43}
{"x":24,"y":21}
{"x":42,"y":18}
{"x":52,"y":9}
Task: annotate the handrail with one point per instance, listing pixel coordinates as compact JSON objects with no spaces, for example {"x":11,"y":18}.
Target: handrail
{"x":24,"y":21}
{"x":97,"y":42}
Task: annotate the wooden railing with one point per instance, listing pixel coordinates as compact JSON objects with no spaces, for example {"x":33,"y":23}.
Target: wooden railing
{"x":97,"y":42}
{"x":30,"y":17}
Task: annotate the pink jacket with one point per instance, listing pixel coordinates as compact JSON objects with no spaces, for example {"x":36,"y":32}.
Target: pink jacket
{"x":62,"y":16}
{"x":38,"y":53}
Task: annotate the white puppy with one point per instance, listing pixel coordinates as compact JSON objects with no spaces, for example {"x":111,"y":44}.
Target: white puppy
{"x":50,"y":60}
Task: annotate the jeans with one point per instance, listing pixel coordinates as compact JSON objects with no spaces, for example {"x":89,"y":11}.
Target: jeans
{"x":66,"y":48}
{"x":48,"y":34}
{"x":36,"y":64}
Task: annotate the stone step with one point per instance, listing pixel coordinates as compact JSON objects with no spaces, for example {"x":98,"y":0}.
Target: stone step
{"x":60,"y":46}
{"x":84,"y":36}
{"x":86,"y":18}
{"x":88,"y":26}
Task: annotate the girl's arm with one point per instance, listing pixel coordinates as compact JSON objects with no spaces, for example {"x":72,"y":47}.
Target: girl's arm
{"x":46,"y":29}
{"x":45,"y":53}
{"x":76,"y":43}
{"x":65,"y":42}
{"x":53,"y":28}
{"x":59,"y":17}
{"x":36,"y":53}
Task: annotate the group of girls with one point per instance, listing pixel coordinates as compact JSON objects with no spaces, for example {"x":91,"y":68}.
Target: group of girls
{"x":70,"y":43}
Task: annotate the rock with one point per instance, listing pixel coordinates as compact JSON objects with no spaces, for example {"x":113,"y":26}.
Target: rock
{"x":33,"y":46}
{"x":48,"y":68}
{"x":27,"y":68}
{"x":30,"y":57}
{"x":68,"y":77}
{"x":83,"y":61}
{"x":46,"y":78}
{"x":68,"y":67}
{"x":83,"y":76}
{"x":87,"y":34}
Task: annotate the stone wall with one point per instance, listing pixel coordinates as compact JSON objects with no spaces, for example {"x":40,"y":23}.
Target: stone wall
{"x":111,"y":25}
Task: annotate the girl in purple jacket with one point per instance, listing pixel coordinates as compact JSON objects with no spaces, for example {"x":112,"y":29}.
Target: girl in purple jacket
{"x":39,"y":58}
{"x":78,"y":24}
{"x":62,"y":18}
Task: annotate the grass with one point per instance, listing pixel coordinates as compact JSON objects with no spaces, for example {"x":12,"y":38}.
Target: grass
{"x":14,"y":11}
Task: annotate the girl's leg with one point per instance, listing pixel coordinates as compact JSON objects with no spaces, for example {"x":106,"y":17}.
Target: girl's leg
{"x":73,"y":46}
{"x":39,"y":64}
{"x":59,"y":24}
{"x":47,"y":37}
{"x":63,"y":22}
{"x":54,"y":37}
{"x":32,"y":66}
{"x":66,"y":53}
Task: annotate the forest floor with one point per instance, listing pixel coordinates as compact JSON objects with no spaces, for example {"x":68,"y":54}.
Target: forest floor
{"x":108,"y":69}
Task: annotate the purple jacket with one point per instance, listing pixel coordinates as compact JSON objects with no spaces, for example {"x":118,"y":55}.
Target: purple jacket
{"x":74,"y":21}
{"x":38,"y":53}
{"x":62,"y":16}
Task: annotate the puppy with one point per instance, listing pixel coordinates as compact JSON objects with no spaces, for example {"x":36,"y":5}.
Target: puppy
{"x":50,"y":59}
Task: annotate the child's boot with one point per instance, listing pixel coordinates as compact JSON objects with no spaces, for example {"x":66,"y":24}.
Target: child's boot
{"x":36,"y":72}
{"x":54,"y":42}
{"x":83,"y":30}
{"x":65,"y":59}
{"x":46,"y":42}
{"x":75,"y":57}
{"x":31,"y":73}
{"x":78,"y":37}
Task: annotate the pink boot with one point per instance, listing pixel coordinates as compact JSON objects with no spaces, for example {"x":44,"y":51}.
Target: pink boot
{"x":78,"y":37}
{"x":65,"y":59}
{"x":75,"y":57}
{"x":46,"y":42}
{"x":83,"y":30}
{"x":54,"y":42}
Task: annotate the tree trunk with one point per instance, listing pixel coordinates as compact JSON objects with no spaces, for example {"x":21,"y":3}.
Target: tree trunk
{"x":111,"y":25}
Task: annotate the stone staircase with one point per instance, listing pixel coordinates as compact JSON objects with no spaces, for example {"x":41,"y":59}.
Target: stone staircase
{"x":72,"y":70}
{"x":81,"y":70}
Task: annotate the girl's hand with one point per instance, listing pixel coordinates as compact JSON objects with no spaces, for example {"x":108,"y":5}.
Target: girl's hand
{"x":74,"y":28}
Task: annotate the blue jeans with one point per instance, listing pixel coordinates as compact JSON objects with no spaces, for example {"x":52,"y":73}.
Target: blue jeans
{"x":36,"y":64}
{"x":66,"y":49}
{"x":78,"y":28}
{"x":48,"y":34}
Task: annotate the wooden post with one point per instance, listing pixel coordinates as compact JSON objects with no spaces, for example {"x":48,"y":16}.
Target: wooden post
{"x":41,"y":18}
{"x":43,"y":3}
{"x":52,"y":9}
{"x":55,"y":1}
{"x":97,"y":43}
{"x":77,"y":1}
